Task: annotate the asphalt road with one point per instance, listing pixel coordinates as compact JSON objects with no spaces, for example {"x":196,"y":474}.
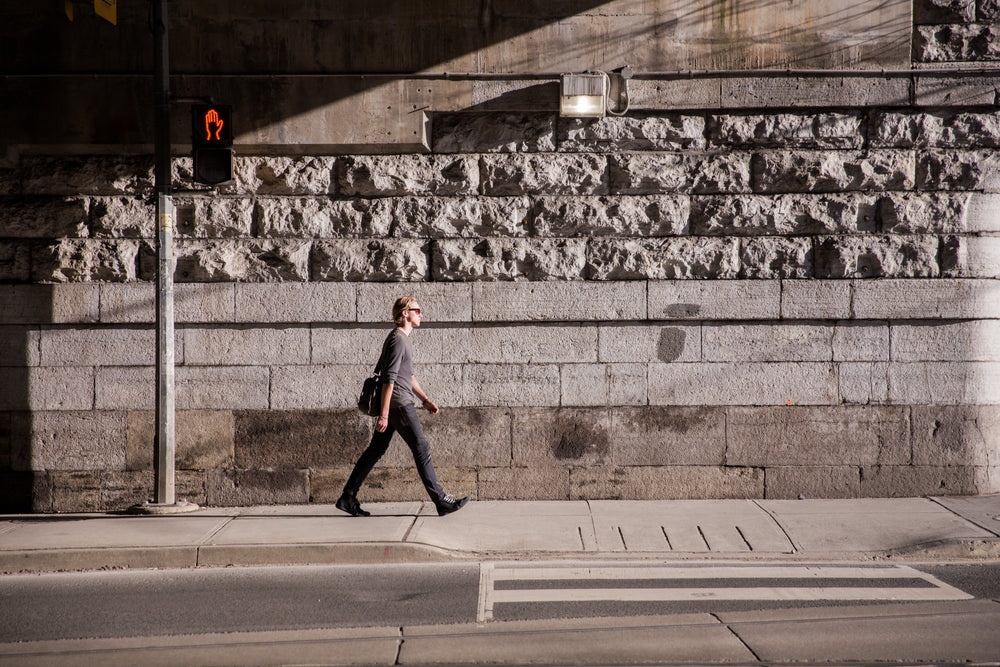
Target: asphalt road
{"x":115,"y":604}
{"x":167,"y":602}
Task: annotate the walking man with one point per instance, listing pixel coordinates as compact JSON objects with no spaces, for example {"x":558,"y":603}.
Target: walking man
{"x":399,"y":415}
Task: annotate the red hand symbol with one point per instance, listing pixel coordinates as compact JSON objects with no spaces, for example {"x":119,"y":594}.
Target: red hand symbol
{"x":212,"y":118}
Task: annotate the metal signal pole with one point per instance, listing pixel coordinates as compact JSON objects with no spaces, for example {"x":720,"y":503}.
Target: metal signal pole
{"x":164,"y":443}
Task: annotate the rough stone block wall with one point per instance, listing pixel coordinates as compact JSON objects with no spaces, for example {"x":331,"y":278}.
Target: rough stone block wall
{"x":956,"y":31}
{"x":753,"y":303}
{"x":663,"y":305}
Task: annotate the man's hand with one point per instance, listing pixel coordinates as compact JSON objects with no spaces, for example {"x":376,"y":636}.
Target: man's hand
{"x":430,"y":406}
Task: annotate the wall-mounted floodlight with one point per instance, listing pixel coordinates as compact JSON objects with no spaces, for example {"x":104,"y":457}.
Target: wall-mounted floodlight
{"x":583,"y":95}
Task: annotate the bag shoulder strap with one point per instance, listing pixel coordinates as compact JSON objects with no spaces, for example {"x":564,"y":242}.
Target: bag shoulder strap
{"x":395,"y":333}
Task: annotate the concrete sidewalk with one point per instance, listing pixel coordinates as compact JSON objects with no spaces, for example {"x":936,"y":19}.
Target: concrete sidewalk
{"x":914,"y":528}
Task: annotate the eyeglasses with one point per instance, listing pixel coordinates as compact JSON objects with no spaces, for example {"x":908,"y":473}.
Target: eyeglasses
{"x":415,"y":310}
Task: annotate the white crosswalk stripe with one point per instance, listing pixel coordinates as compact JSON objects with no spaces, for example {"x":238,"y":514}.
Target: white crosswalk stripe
{"x":596,"y":584}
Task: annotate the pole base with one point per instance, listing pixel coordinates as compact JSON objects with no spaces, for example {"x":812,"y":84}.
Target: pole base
{"x":159,"y":509}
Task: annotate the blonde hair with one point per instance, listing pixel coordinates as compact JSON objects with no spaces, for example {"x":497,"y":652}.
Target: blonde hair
{"x":401,"y":305}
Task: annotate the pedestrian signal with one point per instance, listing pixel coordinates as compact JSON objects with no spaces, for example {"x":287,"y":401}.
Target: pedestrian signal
{"x":212,"y":143}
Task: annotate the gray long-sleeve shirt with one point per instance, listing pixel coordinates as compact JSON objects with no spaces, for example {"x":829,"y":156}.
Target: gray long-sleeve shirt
{"x":396,"y":364}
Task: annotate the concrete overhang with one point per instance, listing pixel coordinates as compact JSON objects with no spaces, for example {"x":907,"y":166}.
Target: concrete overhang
{"x":329,"y":78}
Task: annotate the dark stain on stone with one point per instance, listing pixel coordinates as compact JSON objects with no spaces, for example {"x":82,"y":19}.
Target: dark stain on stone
{"x":671,"y":344}
{"x":287,"y":438}
{"x":570,"y":447}
{"x":185,"y":218}
{"x":682,"y":310}
{"x":678,"y":420}
{"x":475,"y":417}
{"x":869,"y":266}
{"x":573,"y":438}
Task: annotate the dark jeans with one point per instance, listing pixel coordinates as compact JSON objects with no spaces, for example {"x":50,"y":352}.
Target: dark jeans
{"x":405,"y":422}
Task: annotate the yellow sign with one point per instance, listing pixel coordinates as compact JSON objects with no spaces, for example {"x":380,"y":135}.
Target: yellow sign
{"x":107,"y":9}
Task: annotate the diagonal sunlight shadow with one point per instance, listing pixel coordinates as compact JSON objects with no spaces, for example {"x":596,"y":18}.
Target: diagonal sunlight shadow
{"x":284,"y":60}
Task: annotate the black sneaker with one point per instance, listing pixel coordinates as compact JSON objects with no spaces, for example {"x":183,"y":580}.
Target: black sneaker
{"x":351,"y":505}
{"x":449,"y":504}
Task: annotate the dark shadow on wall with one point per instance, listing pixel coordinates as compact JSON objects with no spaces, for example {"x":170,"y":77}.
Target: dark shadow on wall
{"x":394,"y":37}
{"x":283,"y":59}
{"x":24,"y":308}
{"x":230,"y":50}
